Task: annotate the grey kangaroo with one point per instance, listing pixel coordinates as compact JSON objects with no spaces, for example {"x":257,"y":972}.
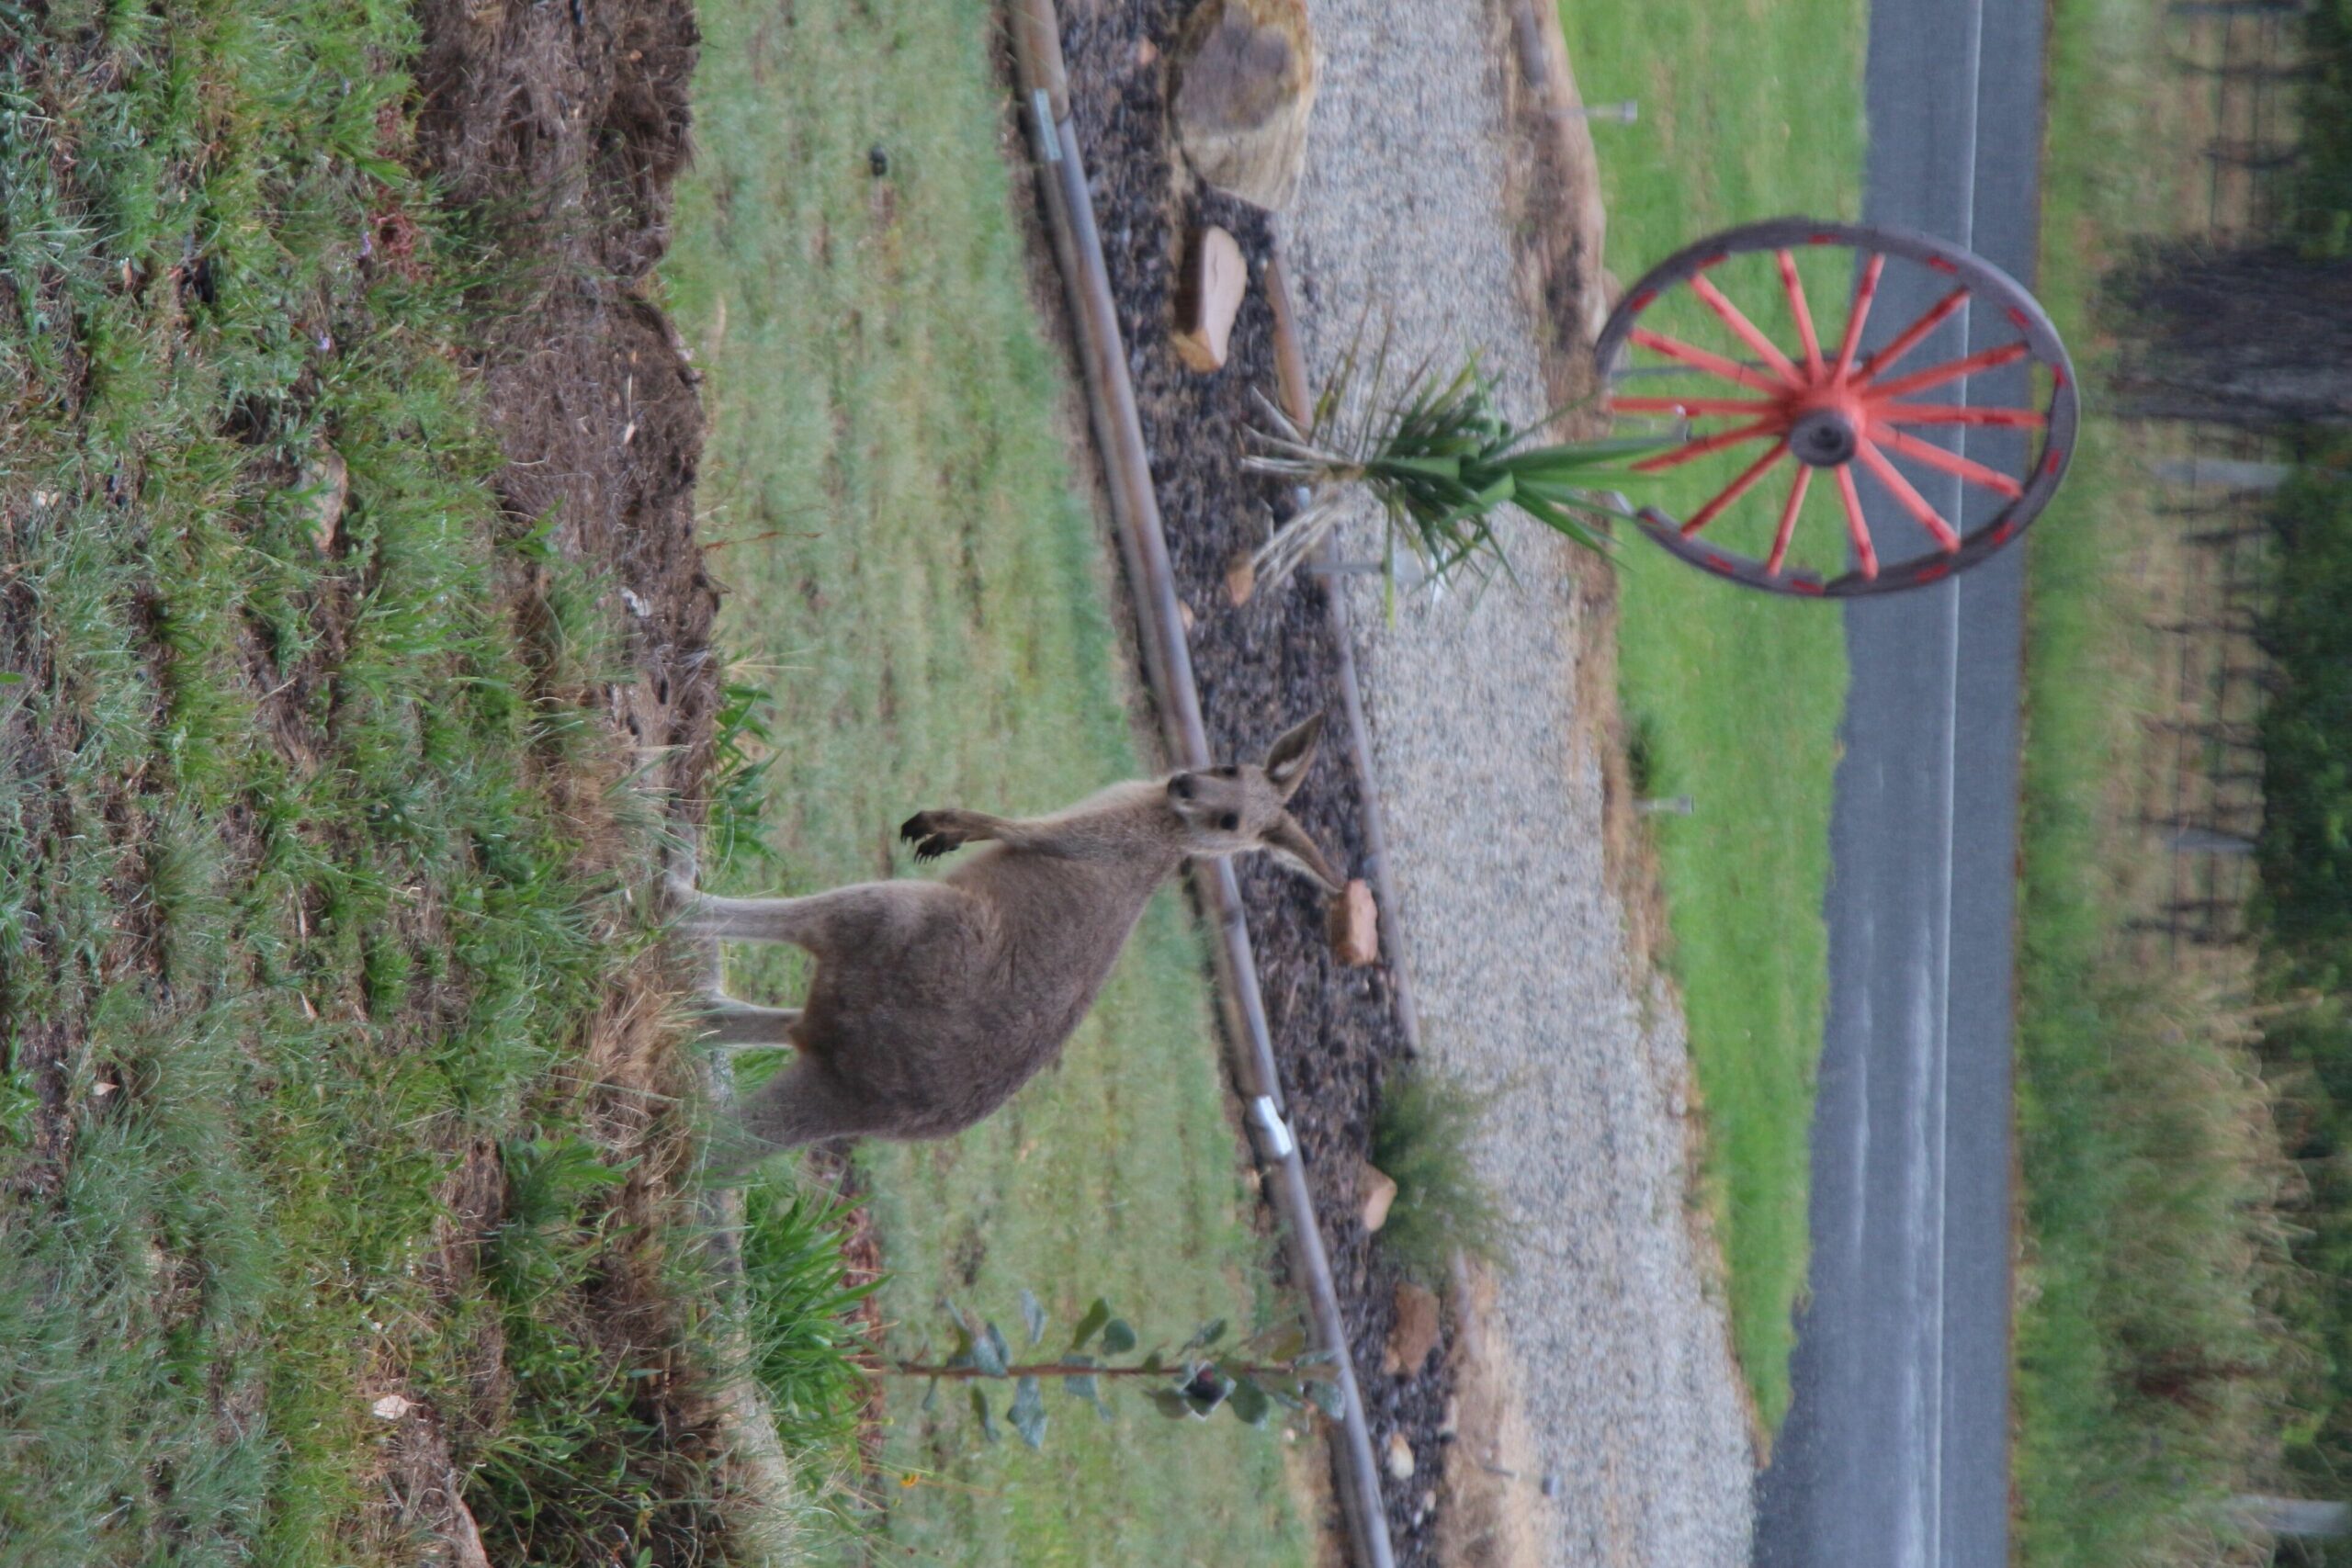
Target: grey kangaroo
{"x":933,"y":1001}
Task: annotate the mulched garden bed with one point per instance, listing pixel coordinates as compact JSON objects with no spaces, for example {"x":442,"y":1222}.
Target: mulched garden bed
{"x":1259,"y":667}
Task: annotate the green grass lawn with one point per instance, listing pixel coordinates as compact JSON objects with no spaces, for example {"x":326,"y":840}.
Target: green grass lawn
{"x":1747,"y":112}
{"x":926,"y":599}
{"x":309,"y":875}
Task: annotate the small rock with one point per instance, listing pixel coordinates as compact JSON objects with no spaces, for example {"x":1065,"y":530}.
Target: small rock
{"x":1400,"y":1457}
{"x":1355,"y":926}
{"x":1379,"y":1190}
{"x":1147,"y":54}
{"x":326,"y":484}
{"x":1415,"y":1333}
{"x":877,"y":161}
{"x":1450,"y":1422}
{"x":1184,"y":614}
{"x":391,"y":1407}
{"x":1208,"y":296}
{"x":1551,"y":1485}
{"x":1245,"y":84}
{"x":1241,"y":578}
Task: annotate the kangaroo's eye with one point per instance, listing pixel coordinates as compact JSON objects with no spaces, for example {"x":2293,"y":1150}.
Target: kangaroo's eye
{"x":1181,"y":787}
{"x":1228,"y":771}
{"x":1230,"y":821}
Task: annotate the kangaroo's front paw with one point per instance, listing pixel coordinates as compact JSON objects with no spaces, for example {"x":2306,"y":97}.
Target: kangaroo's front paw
{"x":931,"y":836}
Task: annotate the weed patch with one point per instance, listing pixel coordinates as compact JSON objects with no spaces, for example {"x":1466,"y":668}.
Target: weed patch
{"x":320,"y":860}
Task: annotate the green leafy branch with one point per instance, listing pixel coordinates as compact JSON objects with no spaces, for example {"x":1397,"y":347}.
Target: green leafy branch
{"x":1266,"y":1370}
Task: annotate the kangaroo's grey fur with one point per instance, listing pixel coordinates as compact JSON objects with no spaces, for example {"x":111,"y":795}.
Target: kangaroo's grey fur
{"x":933,"y":1001}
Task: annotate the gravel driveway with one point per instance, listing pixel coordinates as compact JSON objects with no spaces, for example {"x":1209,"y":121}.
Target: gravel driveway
{"x":1494,"y":813}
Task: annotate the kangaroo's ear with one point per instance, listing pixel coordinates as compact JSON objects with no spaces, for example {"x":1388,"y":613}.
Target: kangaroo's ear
{"x":1289,"y":757}
{"x":1286,"y":840}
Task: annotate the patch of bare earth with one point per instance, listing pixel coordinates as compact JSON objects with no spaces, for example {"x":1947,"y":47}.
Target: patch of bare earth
{"x":558,"y":129}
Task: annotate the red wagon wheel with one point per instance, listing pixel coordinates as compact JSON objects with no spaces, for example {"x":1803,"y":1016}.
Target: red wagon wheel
{"x":1936,"y":460}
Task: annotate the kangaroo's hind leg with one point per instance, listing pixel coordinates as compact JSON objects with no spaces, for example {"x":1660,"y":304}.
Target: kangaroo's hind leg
{"x":726,"y":1022}
{"x":804,"y":1103}
{"x":866,"y":918}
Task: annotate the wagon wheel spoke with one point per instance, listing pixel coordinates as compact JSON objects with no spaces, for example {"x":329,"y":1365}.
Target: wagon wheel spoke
{"x":1700,"y":359}
{"x":1692,"y":406}
{"x":1788,"y":526}
{"x":1736,"y":320}
{"x":1761,"y":430}
{"x":1910,"y":336}
{"x":1952,"y":370}
{"x":1857,"y":530}
{"x":1865,"y":291}
{"x":1890,"y":476}
{"x":1953,"y":413}
{"x":1935,"y":456}
{"x":1803,"y":312}
{"x":1737,"y":488}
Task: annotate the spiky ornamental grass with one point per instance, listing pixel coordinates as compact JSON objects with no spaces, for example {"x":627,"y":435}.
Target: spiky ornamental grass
{"x":1442,"y":462}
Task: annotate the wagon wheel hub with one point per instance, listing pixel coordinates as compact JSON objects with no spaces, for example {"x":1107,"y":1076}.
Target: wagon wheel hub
{"x":1825,"y":437}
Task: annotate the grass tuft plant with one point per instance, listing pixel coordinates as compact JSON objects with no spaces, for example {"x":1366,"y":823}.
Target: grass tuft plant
{"x":1421,"y":1140}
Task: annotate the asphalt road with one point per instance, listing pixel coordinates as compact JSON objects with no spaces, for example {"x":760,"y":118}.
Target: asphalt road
{"x":1895,"y":1452}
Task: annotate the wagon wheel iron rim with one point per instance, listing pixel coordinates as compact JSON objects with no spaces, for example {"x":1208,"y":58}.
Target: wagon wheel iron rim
{"x":1820,"y":402}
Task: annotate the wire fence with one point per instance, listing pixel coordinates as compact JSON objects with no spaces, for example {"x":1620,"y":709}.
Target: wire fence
{"x":2239,"y":64}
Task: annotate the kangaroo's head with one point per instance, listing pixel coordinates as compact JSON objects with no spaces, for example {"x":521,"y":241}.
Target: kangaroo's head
{"x":1226,"y":810}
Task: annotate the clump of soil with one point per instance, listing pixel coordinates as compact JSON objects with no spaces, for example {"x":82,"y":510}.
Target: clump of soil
{"x":559,"y":128}
{"x":1259,"y":668}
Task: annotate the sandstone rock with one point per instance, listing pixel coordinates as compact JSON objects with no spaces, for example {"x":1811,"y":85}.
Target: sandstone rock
{"x":1355,"y":926}
{"x":1415,"y":1333}
{"x":1241,"y":578}
{"x":1208,"y":296}
{"x":1400,"y":1457}
{"x":1244,"y":83}
{"x":1377,"y":1191}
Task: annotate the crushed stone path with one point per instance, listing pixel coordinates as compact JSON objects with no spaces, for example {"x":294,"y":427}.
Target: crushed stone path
{"x":1516,"y":942}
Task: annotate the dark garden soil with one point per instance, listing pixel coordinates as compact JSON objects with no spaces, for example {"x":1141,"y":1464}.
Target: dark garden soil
{"x":559,"y":129}
{"x":1259,"y":668}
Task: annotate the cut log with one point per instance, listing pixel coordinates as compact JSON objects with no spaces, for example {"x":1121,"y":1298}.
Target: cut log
{"x":1245,"y":82}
